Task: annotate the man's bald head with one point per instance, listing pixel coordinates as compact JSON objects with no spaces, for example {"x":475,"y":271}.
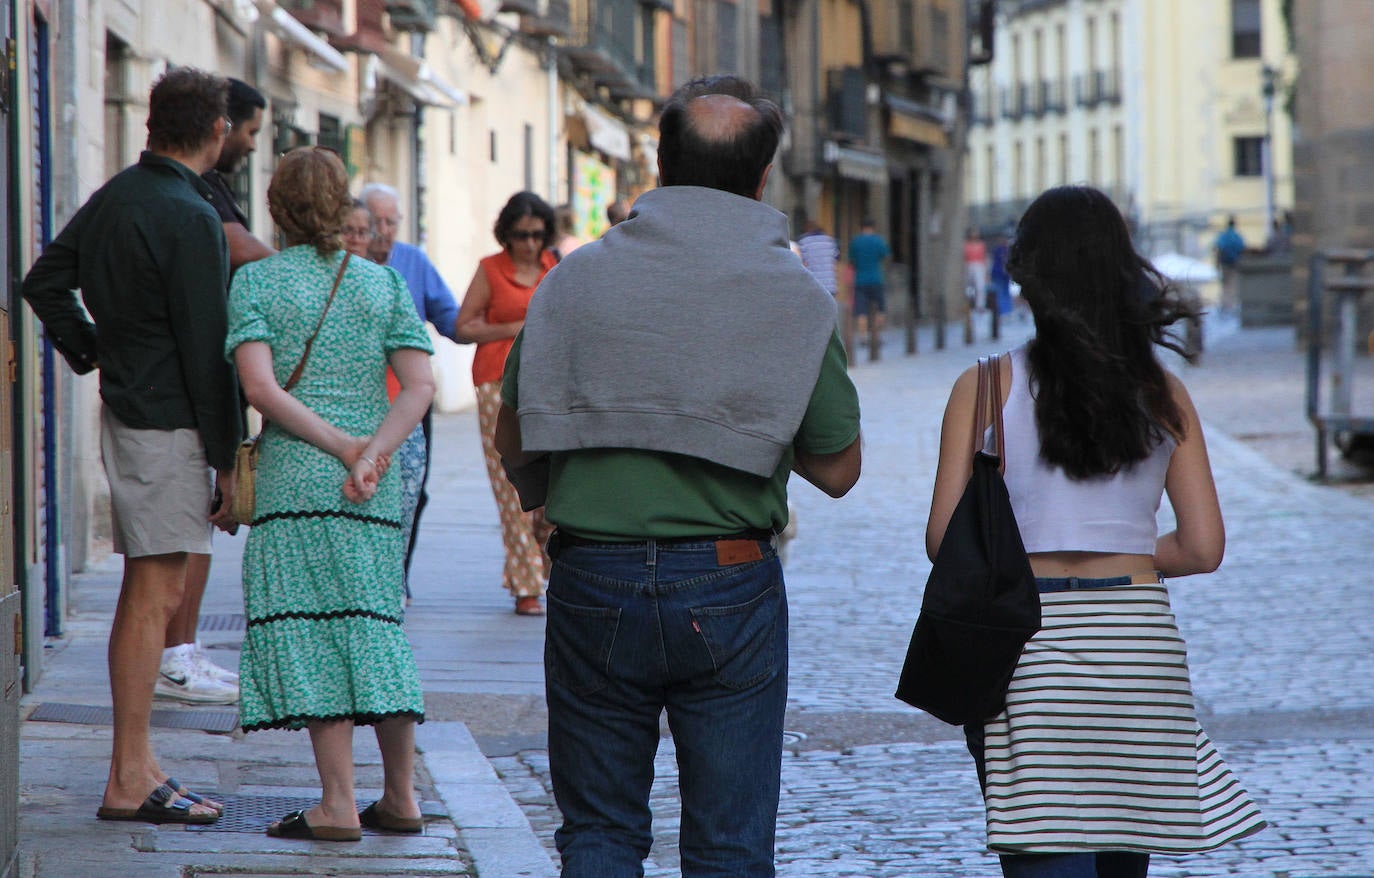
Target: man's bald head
{"x":720,"y":134}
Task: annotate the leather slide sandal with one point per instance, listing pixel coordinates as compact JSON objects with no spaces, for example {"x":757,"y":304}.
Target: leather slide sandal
{"x":197,"y":798}
{"x":163,"y":805}
{"x":294,"y":825}
{"x":374,"y":816}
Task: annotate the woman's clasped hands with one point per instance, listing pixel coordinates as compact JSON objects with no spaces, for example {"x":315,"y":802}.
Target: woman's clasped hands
{"x":365,"y":471}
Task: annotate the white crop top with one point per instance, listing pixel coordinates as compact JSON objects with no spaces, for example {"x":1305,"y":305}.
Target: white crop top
{"x":1058,"y":514}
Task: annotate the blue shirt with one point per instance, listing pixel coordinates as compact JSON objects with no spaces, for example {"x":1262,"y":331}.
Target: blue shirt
{"x":1229,"y":246}
{"x":434,"y":301}
{"x":867,"y":253}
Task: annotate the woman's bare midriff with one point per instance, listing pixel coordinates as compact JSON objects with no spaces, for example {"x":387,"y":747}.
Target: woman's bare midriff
{"x":1090,"y":565}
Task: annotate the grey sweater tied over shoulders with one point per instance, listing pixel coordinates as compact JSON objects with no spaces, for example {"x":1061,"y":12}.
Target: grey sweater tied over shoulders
{"x":690,"y":328}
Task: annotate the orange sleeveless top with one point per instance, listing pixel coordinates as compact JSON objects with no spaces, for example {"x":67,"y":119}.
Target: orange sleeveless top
{"x":509,"y":301}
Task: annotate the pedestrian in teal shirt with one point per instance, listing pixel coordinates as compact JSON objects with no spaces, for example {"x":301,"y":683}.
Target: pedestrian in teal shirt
{"x":867,"y":253}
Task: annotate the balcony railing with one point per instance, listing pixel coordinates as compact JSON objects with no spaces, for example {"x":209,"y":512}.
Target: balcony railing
{"x":607,"y":42}
{"x":1050,"y":96}
{"x":1015,"y":101}
{"x":1097,"y":87}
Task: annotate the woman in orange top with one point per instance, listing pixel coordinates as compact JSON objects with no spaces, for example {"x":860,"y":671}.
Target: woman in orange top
{"x":492,"y":313}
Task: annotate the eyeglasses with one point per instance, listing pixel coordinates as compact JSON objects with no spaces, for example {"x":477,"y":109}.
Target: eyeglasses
{"x":356,"y":232}
{"x":228,"y":126}
{"x":525,"y":236}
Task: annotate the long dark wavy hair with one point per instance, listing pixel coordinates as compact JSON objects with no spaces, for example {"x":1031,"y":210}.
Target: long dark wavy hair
{"x":1102,"y":401}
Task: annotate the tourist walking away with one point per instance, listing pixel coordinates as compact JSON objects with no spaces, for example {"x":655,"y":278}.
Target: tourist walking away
{"x":667,"y":430}
{"x":311,"y":331}
{"x":435,"y":304}
{"x":1228,"y":248}
{"x":187,"y":674}
{"x":975,"y":270}
{"x":148,"y":254}
{"x":493,"y":312}
{"x":819,"y":254}
{"x":867,"y":254}
{"x":1098,"y":760}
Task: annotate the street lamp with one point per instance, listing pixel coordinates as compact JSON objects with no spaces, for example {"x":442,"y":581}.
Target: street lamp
{"x":1269,"y":81}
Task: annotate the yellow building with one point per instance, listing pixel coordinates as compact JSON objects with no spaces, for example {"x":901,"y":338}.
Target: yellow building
{"x":1161,"y":103}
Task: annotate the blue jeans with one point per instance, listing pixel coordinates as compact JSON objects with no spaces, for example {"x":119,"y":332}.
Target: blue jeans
{"x":638,"y":628}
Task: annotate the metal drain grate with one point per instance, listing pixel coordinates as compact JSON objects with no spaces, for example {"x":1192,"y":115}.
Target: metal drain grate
{"x":255,"y":813}
{"x":223,"y":622}
{"x":219,"y":721}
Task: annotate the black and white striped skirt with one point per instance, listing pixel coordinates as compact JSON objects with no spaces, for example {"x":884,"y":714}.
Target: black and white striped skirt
{"x":1099,"y":747}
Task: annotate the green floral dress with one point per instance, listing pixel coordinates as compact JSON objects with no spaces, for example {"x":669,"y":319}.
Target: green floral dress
{"x":322,"y":576}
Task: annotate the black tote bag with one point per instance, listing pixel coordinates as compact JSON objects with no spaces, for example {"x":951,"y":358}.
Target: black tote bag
{"x":981,"y":604}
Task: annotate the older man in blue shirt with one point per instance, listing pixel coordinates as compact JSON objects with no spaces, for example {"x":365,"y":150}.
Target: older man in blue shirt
{"x":434,"y":303}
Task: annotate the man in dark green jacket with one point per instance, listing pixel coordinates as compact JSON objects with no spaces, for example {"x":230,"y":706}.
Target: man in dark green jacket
{"x":147,"y":252}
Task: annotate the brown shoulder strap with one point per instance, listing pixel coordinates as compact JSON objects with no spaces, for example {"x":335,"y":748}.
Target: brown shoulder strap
{"x":988,"y":407}
{"x":310,"y":342}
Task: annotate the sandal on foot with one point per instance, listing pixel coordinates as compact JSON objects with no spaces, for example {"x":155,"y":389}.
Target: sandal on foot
{"x":163,"y":805}
{"x":294,"y":825}
{"x":374,"y":816}
{"x":196,"y":798}
{"x":528,"y":605}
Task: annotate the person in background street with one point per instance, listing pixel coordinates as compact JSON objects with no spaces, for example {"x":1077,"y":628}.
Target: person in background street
{"x":819,"y":254}
{"x":1281,"y":235}
{"x":565,"y":242}
{"x":999,"y":281}
{"x":667,"y":480}
{"x":147,"y":252}
{"x":410,"y":457}
{"x":187,"y":674}
{"x":975,"y":269}
{"x":434,"y":303}
{"x":357,"y":229}
{"x":1228,"y":247}
{"x":867,"y":253}
{"x":325,"y":647}
{"x":617,"y":211}
{"x":493,"y":312}
{"x":1096,"y":430}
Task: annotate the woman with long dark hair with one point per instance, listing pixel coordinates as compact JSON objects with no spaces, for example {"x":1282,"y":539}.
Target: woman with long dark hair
{"x":1098,"y":759}
{"x":492,"y":314}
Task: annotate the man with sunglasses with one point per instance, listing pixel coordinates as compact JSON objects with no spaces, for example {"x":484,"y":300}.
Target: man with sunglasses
{"x":434,"y":302}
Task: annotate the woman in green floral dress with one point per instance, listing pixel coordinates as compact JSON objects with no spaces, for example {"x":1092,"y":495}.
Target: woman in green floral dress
{"x":325,"y":647}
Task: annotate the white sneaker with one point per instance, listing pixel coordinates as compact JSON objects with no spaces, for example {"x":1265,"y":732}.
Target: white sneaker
{"x":180,"y":680}
{"x":209,"y":669}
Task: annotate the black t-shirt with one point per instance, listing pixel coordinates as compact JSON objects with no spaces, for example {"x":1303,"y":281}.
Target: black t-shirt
{"x":223,"y":202}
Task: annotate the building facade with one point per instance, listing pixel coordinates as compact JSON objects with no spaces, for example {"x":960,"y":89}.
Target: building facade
{"x":1160,"y":103}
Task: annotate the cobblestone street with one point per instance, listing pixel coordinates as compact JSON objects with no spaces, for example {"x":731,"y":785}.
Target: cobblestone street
{"x":1281,"y":645}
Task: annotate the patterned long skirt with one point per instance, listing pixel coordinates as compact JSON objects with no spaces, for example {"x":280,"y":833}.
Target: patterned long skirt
{"x":526,"y":570}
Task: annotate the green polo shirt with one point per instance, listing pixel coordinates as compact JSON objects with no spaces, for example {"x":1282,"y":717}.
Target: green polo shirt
{"x":621,"y":494}
{"x":147,"y":252}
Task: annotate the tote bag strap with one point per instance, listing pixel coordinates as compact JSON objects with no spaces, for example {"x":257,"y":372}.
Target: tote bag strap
{"x":988,"y":408}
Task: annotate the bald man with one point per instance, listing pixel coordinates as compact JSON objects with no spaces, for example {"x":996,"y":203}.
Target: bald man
{"x":659,"y":437}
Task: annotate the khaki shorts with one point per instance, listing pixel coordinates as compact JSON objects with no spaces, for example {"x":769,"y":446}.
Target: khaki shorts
{"x":160,"y":488}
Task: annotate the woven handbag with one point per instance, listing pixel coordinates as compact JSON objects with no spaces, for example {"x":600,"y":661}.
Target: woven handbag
{"x":246,"y":459}
{"x":981,"y":604}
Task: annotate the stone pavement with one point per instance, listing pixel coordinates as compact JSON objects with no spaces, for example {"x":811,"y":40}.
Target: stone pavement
{"x":1281,"y":641}
{"x":473,"y":827}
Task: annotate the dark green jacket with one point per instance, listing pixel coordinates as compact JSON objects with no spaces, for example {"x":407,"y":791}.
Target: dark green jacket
{"x":147,"y":252}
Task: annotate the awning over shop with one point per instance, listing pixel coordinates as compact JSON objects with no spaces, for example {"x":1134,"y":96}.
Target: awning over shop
{"x":414,"y":76}
{"x":916,"y":122}
{"x":606,"y":133}
{"x":853,"y":163}
{"x":285,"y":25}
